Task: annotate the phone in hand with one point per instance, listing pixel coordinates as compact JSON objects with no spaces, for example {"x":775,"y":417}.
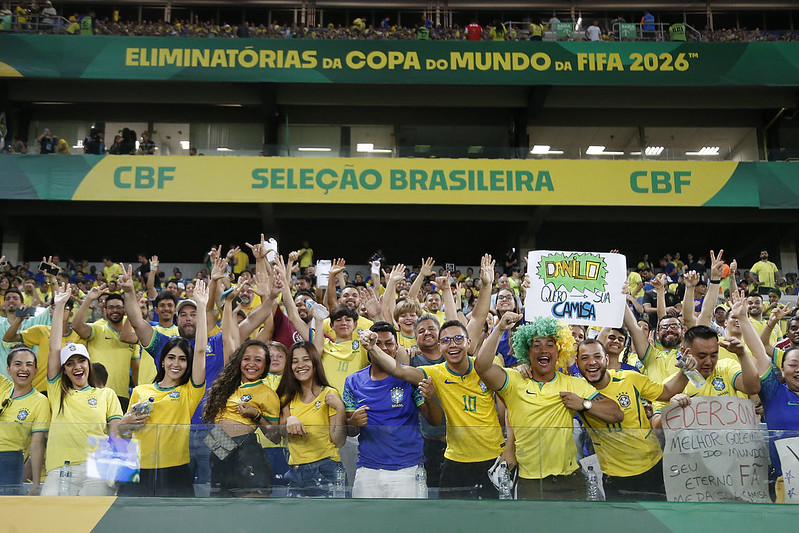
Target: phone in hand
{"x":48,"y":269}
{"x":24,"y":313}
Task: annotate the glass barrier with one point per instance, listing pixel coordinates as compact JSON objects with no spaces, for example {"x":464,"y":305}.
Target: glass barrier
{"x":697,"y":464}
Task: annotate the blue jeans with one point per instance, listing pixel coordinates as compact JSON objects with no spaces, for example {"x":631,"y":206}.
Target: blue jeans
{"x":312,"y":479}
{"x":11,"y":468}
{"x":199,"y":455}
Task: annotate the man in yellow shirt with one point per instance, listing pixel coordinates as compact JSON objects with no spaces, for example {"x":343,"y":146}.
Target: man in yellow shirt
{"x":541,"y":409}
{"x":111,"y":270}
{"x":104,"y":341}
{"x":766,"y":272}
{"x":629,"y":452}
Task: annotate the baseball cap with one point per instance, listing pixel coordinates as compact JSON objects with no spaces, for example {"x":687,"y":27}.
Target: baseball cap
{"x":71,"y":349}
{"x":184,"y":303}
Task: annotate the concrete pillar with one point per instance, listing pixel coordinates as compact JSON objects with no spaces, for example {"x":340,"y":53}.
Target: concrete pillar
{"x":12,"y":245}
{"x":788,"y":262}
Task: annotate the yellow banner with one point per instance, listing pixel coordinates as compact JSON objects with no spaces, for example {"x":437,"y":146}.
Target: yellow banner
{"x":403,"y":181}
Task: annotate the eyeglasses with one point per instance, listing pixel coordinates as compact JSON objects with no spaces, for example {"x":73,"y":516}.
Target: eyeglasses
{"x":504,"y":297}
{"x":115,"y":307}
{"x":455,"y":339}
{"x":664,"y":327}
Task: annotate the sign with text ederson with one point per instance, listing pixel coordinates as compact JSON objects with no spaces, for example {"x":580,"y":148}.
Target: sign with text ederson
{"x":576,"y":287}
{"x":715,"y":451}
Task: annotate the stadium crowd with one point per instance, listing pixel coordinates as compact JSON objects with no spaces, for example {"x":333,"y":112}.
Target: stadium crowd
{"x":247,"y":377}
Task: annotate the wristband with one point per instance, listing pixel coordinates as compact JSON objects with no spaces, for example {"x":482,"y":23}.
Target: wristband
{"x":716,"y":281}
{"x":257,"y":418}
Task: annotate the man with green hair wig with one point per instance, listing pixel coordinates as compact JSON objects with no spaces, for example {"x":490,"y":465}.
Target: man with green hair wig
{"x":541,"y":409}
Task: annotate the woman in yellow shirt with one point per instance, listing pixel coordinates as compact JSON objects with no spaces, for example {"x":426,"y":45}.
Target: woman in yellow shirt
{"x":80,"y":412}
{"x":239,"y":402}
{"x":313,"y":414}
{"x":163,"y":433}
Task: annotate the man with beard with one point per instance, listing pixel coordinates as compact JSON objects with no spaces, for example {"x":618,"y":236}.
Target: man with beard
{"x":435,"y":437}
{"x":104,"y":340}
{"x":629,"y":452}
{"x":187,"y":316}
{"x":754,"y":309}
{"x":658,"y":363}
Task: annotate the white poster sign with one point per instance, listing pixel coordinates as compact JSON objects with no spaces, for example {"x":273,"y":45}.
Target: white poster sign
{"x":576,"y":287}
{"x":715,"y":451}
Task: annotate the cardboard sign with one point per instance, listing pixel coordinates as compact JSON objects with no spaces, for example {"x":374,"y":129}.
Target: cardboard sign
{"x":788,"y":450}
{"x":715,"y":451}
{"x":576,"y":287}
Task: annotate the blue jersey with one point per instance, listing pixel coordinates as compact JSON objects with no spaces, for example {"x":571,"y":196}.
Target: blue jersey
{"x":214,"y":361}
{"x":781,"y":407}
{"x":391,"y":439}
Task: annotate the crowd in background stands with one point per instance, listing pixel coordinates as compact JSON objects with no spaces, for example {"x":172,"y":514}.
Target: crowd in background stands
{"x":22,"y":20}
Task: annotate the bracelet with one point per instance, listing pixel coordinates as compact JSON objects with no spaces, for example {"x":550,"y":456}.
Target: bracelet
{"x":257,"y":418}
{"x":716,"y":281}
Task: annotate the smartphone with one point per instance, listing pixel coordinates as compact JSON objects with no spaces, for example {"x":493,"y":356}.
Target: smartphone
{"x":29,"y":311}
{"x":47,"y":269}
{"x":225,"y":293}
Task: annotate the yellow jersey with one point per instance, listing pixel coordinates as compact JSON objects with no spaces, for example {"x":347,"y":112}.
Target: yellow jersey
{"x":315,"y":445}
{"x":22,"y":417}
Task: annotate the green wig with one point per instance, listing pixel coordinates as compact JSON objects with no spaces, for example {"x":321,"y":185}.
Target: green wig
{"x":544,"y":326}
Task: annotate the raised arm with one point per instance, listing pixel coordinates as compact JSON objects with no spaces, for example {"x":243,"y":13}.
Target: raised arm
{"x":291,"y":310}
{"x":424,"y":272}
{"x":259,"y":252}
{"x":336,"y":268}
{"x":492,"y":374}
{"x":151,"y":292}
{"x":268,"y":289}
{"x":79,"y":320}
{"x":231,"y":339}
{"x":774,"y":318}
{"x":390,"y":296}
{"x":661,"y":283}
{"x":750,"y":370}
{"x":677,"y":383}
{"x":12,"y":334}
{"x":639,"y":339}
{"x":143,"y":330}
{"x":712,"y":296}
{"x":450,"y":309}
{"x":218,"y":274}
{"x":386,"y":362}
{"x":483,"y":304}
{"x":60,"y":298}
{"x":201,"y":335}
{"x":688,"y":315}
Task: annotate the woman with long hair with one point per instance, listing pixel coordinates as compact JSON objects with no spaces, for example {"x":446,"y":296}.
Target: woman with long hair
{"x":173,"y":396}
{"x":79,"y":412}
{"x":240,"y":401}
{"x":313,"y":414}
{"x":506,"y":303}
{"x":24,"y":419}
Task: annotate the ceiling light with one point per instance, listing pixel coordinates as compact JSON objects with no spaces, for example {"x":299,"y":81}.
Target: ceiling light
{"x":314,"y":149}
{"x":223,"y":149}
{"x":544,"y":149}
{"x":600,"y":150}
{"x":185,"y":145}
{"x":654,"y":150}
{"x":706,"y":150}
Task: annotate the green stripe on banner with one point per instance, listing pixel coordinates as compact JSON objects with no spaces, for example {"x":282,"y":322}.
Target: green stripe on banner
{"x":778,"y":184}
{"x":741,"y":190}
{"x":44,"y":177}
{"x":401,"y":62}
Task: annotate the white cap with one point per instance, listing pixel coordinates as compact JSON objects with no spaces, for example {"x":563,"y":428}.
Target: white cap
{"x":73,"y":349}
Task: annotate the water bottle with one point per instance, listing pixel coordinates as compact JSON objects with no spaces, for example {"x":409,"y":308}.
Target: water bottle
{"x":340,"y":483}
{"x":504,"y":482}
{"x":421,"y":482}
{"x":64,"y":478}
{"x":318,"y":310}
{"x":693,"y":376}
{"x":591,"y":486}
{"x":143,"y":408}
